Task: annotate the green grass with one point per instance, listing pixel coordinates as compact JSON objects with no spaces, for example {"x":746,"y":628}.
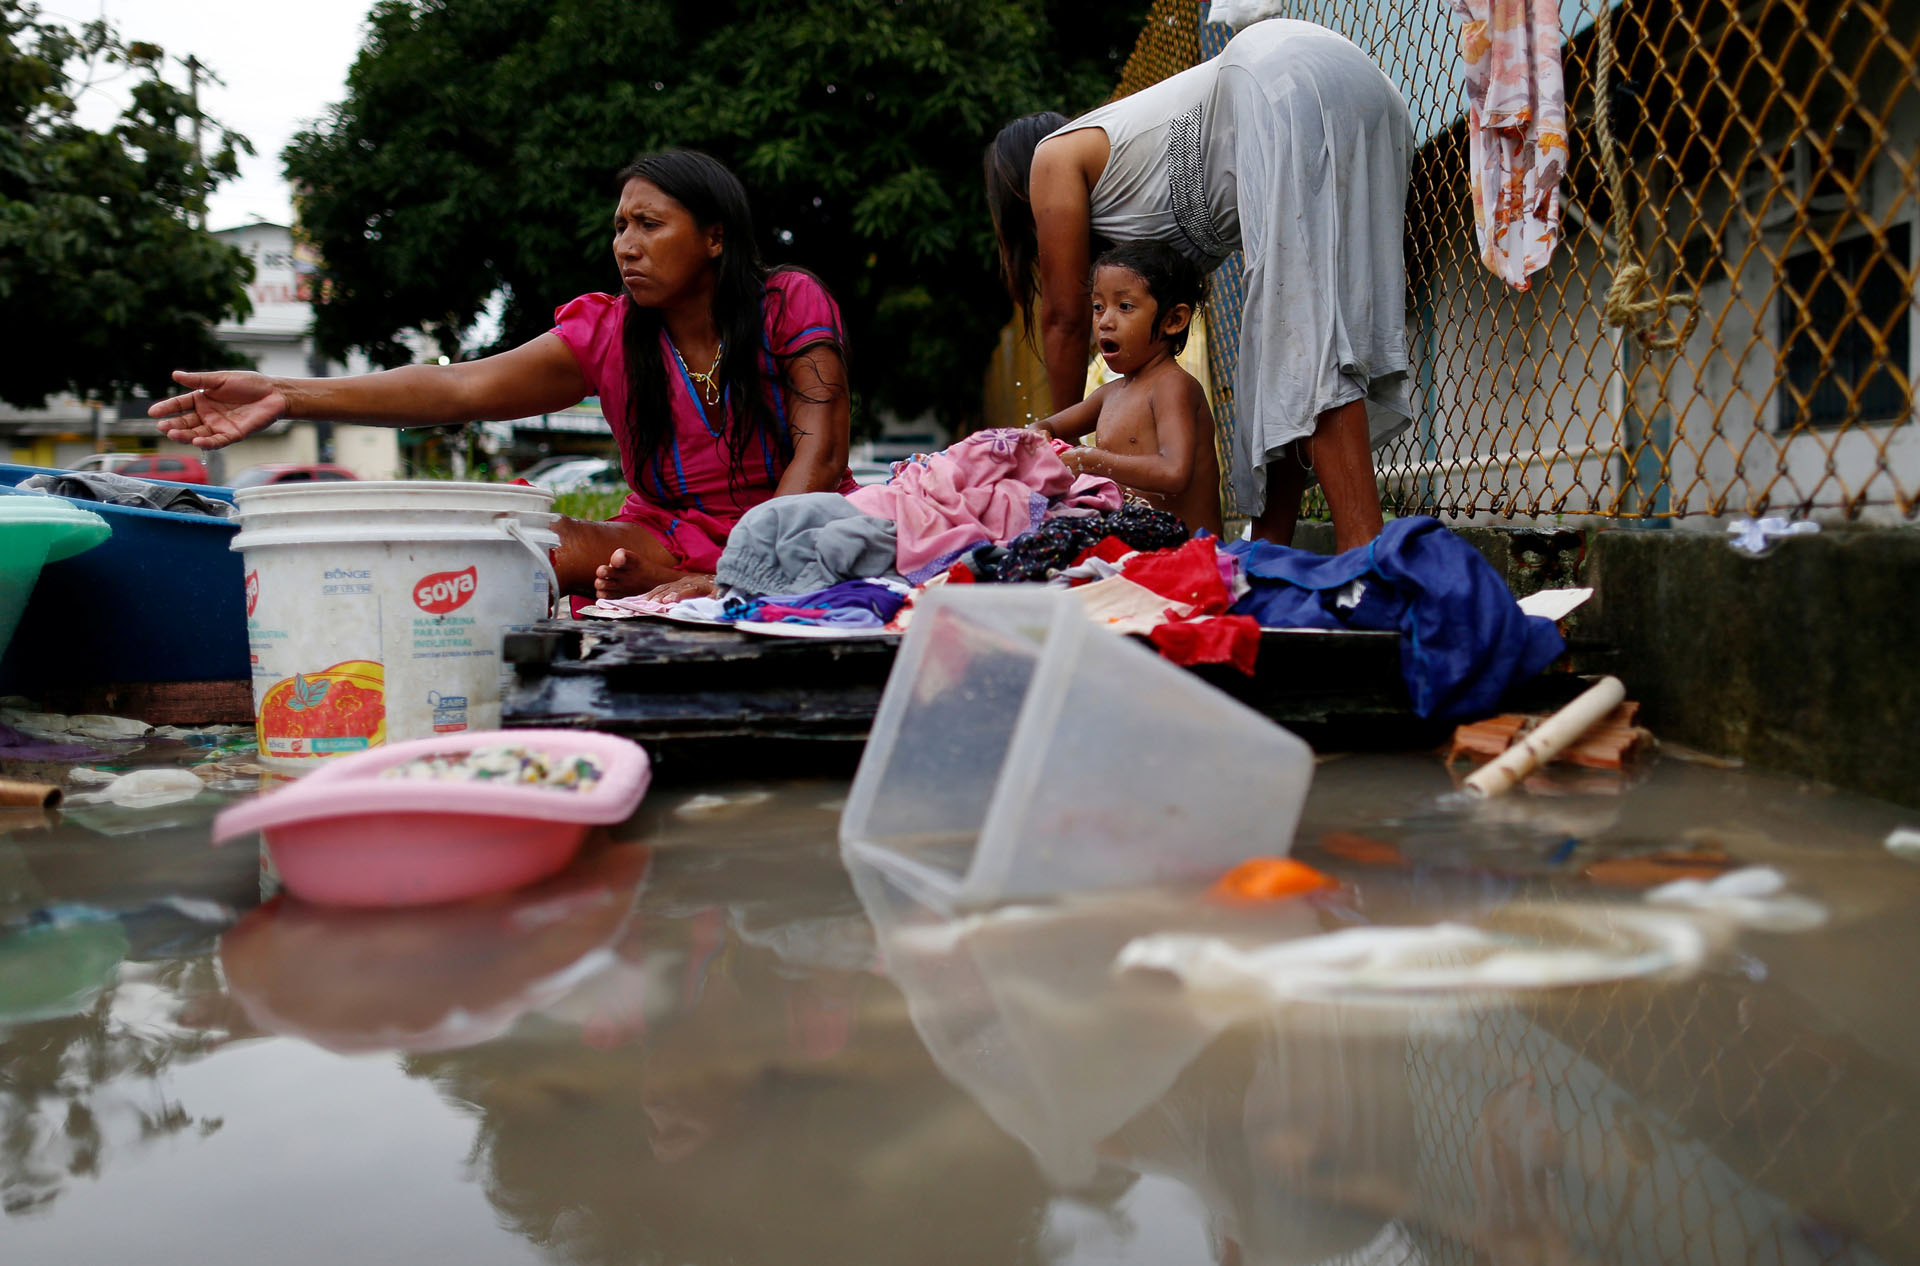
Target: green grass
{"x":590,"y":503}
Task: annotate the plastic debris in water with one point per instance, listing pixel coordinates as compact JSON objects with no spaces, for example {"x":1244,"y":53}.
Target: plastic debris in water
{"x":142,"y":789}
{"x":517,"y":766}
{"x":1904,"y":841}
{"x":1754,"y":896}
{"x":709,"y":804}
{"x":86,"y":725}
{"x":1357,"y":964}
{"x":1270,"y":879}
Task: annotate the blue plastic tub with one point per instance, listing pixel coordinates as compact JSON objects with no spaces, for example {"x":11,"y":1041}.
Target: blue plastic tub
{"x":163,"y":600}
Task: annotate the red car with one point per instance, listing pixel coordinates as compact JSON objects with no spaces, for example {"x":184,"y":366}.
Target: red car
{"x":281,"y":473}
{"x":167,"y":467}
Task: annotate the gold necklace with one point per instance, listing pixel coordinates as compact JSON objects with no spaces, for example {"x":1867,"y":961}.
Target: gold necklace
{"x":709,"y":389}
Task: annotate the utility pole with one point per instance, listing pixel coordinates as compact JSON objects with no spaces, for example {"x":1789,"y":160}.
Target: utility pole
{"x":194,"y":68}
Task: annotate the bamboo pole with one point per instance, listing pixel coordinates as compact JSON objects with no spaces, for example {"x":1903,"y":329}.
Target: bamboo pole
{"x":28,"y":795}
{"x":1546,"y":740}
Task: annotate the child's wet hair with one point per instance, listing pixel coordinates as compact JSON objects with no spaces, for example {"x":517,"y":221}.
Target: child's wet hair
{"x":1171,"y":279}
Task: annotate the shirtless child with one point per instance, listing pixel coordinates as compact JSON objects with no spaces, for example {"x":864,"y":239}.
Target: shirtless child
{"x":1152,"y":429}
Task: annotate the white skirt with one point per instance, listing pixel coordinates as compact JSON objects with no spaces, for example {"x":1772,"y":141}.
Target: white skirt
{"x":1319,"y":145}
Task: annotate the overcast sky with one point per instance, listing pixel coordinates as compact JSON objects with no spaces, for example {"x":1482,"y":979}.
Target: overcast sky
{"x":282,"y":66}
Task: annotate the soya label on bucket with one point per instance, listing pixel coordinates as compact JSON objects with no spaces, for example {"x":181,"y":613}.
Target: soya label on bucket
{"x":445,"y":591}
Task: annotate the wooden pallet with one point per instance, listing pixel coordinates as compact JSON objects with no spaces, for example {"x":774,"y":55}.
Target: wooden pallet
{"x":698,"y":695}
{"x":185,"y":703}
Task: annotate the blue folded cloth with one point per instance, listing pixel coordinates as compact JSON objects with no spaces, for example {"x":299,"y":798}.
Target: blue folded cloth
{"x":849,"y":604}
{"x":1463,"y":639}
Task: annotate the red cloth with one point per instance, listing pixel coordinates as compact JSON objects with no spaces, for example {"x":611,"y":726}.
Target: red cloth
{"x":1109,"y":549}
{"x":1189,"y":574}
{"x":1224,"y":639}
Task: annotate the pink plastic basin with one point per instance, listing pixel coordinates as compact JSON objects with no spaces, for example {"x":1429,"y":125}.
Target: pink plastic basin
{"x":345,"y":836}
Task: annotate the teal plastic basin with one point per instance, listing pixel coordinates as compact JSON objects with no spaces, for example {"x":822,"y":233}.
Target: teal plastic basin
{"x":35,"y":531}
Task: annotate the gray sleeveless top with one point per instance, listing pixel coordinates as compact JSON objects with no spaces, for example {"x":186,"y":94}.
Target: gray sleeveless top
{"x":1169,"y":176}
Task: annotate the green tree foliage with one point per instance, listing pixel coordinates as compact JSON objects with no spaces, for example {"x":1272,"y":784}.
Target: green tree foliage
{"x":477,"y":143}
{"x":105,"y":283}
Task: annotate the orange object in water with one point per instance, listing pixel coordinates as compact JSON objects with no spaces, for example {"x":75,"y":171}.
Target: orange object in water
{"x":1354,"y":847}
{"x":1270,"y":879}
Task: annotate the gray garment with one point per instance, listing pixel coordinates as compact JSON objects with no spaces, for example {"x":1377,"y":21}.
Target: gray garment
{"x":807,"y":542}
{"x":1292,"y":146}
{"x":124,"y":490}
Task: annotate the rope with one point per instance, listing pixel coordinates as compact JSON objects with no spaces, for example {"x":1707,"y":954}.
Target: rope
{"x":1623,"y":306}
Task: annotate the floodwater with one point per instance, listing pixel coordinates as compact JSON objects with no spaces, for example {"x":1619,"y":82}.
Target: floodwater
{"x":694,"y":1047}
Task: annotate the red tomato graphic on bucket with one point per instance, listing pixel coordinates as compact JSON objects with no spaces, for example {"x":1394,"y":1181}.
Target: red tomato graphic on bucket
{"x":444,"y":591}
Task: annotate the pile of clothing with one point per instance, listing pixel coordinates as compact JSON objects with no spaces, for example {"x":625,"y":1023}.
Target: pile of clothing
{"x":1463,"y":638}
{"x":1177,"y":596}
{"x":1059,"y":543}
{"x":849,"y":604}
{"x":124,"y":490}
{"x":989,"y":489}
{"x":1001,"y":507}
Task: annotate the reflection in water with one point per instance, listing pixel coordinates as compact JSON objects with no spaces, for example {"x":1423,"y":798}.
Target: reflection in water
{"x":76,"y":1087}
{"x":740,"y":1088}
{"x":1698,"y":1120}
{"x":434,"y":978}
{"x":716,"y":1057}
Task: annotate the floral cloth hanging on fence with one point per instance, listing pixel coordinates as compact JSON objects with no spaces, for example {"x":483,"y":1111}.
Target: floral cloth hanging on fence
{"x":1516,"y":130}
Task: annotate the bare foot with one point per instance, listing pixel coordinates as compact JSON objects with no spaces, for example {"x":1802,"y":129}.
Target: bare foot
{"x":622,"y":576}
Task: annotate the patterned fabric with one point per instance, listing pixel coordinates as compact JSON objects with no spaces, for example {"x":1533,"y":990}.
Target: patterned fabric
{"x":1058,"y":543}
{"x":1187,"y":186}
{"x":1516,"y":129}
{"x":684,"y":493}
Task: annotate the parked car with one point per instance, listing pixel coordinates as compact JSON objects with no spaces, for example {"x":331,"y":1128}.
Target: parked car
{"x":283,"y":473}
{"x":572,"y":473}
{"x":110,"y":462}
{"x":865,"y":473}
{"x":167,"y":467}
{"x":176,"y":468}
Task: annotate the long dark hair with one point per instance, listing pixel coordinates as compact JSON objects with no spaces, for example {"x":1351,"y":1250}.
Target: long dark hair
{"x":712,"y":195}
{"x":1009,"y":165}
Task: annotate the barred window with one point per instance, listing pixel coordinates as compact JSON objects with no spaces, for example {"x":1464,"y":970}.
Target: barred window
{"x":1860,"y":293}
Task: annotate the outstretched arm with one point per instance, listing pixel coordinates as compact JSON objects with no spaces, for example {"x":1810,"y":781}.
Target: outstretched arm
{"x":1177,"y":403}
{"x":222,"y":406}
{"x":1075,"y":420}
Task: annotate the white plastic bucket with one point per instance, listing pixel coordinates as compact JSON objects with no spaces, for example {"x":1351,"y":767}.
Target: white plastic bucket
{"x":374,"y":610}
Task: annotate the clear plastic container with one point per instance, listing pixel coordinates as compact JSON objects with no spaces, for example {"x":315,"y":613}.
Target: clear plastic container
{"x":1020,"y":751}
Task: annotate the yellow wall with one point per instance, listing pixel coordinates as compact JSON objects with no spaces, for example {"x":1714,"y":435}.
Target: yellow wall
{"x":1015,"y":391}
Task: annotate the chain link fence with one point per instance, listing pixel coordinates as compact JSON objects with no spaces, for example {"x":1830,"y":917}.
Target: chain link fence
{"x":1760,"y":165}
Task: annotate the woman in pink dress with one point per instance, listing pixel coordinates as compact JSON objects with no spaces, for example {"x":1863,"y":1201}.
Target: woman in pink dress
{"x":724,"y":383}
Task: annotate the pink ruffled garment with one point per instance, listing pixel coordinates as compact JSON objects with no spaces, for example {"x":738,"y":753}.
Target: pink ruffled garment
{"x":986,"y":489}
{"x":1516,"y":130}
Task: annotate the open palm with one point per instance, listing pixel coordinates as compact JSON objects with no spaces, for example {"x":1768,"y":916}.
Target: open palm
{"x":218,"y":408}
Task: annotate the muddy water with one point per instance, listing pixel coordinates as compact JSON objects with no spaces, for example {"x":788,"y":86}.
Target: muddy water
{"x":694,"y":1047}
